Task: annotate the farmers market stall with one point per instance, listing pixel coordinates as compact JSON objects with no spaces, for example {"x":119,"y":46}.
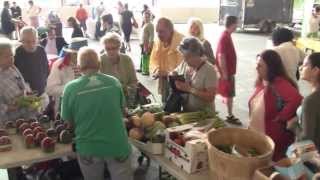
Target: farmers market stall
{"x":20,"y":155}
{"x":175,"y":141}
{"x":172,"y":169}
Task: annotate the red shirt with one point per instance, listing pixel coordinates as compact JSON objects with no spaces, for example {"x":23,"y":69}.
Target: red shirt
{"x":226,"y":47}
{"x":81,"y":14}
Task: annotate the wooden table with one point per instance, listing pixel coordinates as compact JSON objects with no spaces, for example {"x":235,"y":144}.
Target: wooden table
{"x":174,"y":170}
{"x":19,"y":155}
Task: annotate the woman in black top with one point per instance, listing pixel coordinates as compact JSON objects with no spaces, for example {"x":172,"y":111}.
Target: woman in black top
{"x":77,"y":32}
{"x":126,"y":24}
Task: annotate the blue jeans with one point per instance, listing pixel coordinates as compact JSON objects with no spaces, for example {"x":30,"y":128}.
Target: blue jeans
{"x":92,"y":168}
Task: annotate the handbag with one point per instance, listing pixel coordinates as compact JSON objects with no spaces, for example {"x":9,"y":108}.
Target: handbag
{"x":174,"y":102}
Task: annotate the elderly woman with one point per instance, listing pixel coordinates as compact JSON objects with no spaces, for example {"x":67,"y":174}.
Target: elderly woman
{"x":274,"y":102}
{"x":200,"y":77}
{"x":64,"y":70}
{"x":12,"y":86}
{"x":117,"y":64}
{"x":196,"y":29}
{"x":309,"y":114}
{"x":93,"y":104}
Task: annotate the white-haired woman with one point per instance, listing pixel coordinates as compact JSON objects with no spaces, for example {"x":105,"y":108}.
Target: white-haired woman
{"x":117,"y":64}
{"x":12,"y":86}
{"x":195,"y":28}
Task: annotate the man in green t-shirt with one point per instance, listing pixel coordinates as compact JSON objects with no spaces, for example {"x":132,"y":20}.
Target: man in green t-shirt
{"x":93,"y":104}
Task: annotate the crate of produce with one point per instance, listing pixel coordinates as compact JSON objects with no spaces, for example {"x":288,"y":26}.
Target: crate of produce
{"x":188,"y":153}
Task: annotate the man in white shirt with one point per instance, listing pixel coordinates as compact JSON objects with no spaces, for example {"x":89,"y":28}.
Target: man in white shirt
{"x":290,"y":55}
{"x":314,"y":22}
{"x":33,"y":13}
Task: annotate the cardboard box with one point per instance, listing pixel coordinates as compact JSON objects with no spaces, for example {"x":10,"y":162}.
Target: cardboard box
{"x":192,"y":157}
{"x":153,"y":148}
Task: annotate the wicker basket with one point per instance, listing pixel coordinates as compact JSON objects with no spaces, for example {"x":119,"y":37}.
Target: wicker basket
{"x":225,"y":166}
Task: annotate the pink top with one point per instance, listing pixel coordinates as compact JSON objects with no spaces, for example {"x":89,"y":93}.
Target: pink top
{"x":257,"y":113}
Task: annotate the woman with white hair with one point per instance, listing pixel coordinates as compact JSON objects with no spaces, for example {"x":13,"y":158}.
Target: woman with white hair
{"x":12,"y":86}
{"x":195,"y":28}
{"x":117,"y":64}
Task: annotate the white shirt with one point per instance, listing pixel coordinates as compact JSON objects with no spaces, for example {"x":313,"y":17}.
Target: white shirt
{"x":51,"y":47}
{"x":33,"y":11}
{"x":314,"y":24}
{"x":291,"y":56}
{"x":57,"y":79}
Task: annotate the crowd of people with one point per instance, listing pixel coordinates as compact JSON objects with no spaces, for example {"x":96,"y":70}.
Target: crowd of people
{"x":91,"y":90}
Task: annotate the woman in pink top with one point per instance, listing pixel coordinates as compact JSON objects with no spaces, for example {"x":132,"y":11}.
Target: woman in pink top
{"x":274,"y":102}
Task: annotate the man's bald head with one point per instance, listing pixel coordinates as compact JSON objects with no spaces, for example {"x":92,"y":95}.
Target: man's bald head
{"x":165,"y":29}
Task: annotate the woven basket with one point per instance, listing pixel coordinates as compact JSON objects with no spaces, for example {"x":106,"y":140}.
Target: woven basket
{"x":225,"y":166}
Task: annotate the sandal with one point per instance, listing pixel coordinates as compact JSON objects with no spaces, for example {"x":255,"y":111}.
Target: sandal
{"x":233,"y":120}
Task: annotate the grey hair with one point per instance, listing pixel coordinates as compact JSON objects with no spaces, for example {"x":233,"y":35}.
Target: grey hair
{"x":5,"y":43}
{"x":26,"y":30}
{"x":111,"y":37}
{"x":191,"y":45}
{"x":88,"y":59}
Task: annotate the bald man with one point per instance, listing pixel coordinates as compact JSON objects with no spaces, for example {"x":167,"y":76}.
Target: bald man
{"x":165,"y":57}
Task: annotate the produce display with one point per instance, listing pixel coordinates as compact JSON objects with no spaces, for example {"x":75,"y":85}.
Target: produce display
{"x":30,"y":101}
{"x":48,"y":145}
{"x":5,"y":143}
{"x":35,"y":133}
{"x":145,"y":128}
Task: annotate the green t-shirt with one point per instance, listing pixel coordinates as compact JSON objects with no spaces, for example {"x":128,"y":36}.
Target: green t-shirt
{"x":93,"y":103}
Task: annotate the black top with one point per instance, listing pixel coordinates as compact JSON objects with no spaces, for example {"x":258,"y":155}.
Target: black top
{"x":33,"y":67}
{"x":6,"y":21}
{"x":16,"y":12}
{"x":77,"y":32}
{"x":126,"y":18}
{"x":60,"y":43}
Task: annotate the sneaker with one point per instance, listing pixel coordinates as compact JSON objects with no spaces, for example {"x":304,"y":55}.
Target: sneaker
{"x":233,"y":120}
